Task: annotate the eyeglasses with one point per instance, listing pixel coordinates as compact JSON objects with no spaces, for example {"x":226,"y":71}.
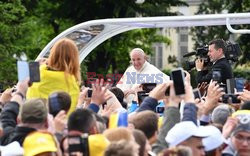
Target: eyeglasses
{"x":241,"y":138}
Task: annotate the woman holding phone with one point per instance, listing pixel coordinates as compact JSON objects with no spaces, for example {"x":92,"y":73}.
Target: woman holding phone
{"x":60,"y":73}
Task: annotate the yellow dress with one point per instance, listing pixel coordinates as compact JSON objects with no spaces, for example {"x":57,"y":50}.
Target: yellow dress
{"x":52,"y":81}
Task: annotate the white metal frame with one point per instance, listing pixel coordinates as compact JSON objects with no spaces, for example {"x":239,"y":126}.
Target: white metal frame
{"x":113,"y":27}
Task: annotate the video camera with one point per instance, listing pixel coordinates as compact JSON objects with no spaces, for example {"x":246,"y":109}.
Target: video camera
{"x":232,"y":54}
{"x":200,"y":53}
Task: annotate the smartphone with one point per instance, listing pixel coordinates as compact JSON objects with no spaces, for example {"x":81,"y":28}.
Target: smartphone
{"x":177,"y":76}
{"x":224,"y":87}
{"x":231,"y":86}
{"x":160,"y":110}
{"x":148,"y":86}
{"x":54,"y":105}
{"x":240,"y":84}
{"x":34,"y":72}
{"x":22,"y":70}
{"x":90,"y":93}
{"x":230,"y":98}
{"x":141,"y":96}
{"x":197,"y":94}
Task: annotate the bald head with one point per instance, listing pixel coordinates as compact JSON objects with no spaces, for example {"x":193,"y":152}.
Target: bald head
{"x":138,"y":58}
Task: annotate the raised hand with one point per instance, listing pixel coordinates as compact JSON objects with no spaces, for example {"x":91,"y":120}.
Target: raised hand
{"x":99,"y":94}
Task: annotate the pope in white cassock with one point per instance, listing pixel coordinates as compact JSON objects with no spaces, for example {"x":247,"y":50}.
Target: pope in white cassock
{"x":140,"y":72}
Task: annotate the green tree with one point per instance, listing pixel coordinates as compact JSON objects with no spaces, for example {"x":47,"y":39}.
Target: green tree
{"x":25,"y":28}
{"x":11,"y":29}
{"x":112,"y":55}
{"x":28,"y":25}
{"x":202,"y":35}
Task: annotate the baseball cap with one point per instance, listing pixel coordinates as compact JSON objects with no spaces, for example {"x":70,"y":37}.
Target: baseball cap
{"x":214,"y":140}
{"x":184,"y":130}
{"x":39,"y":142}
{"x":8,"y":149}
{"x":34,"y":111}
{"x":97,"y":144}
{"x":244,"y":121}
{"x":221,"y":113}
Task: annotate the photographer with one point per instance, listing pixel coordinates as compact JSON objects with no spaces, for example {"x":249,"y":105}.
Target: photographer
{"x":216,"y":53}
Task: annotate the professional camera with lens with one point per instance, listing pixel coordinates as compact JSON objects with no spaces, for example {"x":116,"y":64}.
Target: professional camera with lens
{"x":232,"y":54}
{"x":201,"y":53}
{"x":233,"y":51}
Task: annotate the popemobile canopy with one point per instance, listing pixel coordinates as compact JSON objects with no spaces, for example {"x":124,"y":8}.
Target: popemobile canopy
{"x":90,"y":34}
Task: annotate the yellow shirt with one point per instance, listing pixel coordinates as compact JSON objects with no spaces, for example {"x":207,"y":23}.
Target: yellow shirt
{"x":52,"y":81}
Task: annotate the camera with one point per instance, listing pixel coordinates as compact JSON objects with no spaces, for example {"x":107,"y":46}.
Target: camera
{"x":233,"y":51}
{"x":232,"y":54}
{"x":141,"y":96}
{"x":216,"y":75}
{"x":200,"y":53}
{"x":148,"y":86}
{"x":78,"y":144}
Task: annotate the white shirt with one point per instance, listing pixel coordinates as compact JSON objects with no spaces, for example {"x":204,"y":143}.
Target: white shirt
{"x":147,"y":74}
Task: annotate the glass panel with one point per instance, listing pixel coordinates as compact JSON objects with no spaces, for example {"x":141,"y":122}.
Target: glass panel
{"x":84,"y":35}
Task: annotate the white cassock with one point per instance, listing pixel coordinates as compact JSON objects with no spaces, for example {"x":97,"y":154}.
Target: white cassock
{"x":147,"y":74}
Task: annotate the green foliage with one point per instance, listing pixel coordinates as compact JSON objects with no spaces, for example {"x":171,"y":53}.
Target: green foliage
{"x":242,"y":72}
{"x":27,"y":26}
{"x":202,"y":35}
{"x":11,"y":29}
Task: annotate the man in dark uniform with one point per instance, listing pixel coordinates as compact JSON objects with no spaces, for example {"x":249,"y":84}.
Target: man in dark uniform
{"x":216,"y":53}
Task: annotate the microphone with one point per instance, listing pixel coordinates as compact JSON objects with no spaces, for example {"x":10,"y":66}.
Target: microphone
{"x":189,"y":54}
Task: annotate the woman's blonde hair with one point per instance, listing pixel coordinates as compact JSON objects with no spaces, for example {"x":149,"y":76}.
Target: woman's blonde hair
{"x":64,"y":56}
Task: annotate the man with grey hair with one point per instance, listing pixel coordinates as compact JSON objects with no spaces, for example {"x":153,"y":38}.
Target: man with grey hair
{"x":239,"y":141}
{"x":140,"y":72}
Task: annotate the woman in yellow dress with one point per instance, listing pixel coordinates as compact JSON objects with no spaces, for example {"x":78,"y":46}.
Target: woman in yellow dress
{"x":60,"y":73}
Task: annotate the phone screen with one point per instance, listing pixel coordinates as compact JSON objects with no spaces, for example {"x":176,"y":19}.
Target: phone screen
{"x":231,"y":86}
{"x":90,"y":93}
{"x":239,"y":84}
{"x":160,"y":109}
{"x":54,"y":105}
{"x":197,"y":94}
{"x":34,"y":72}
{"x":178,"y":79}
{"x":22,"y":70}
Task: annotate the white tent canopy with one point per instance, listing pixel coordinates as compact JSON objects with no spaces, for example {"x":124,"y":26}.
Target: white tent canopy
{"x":89,"y":35}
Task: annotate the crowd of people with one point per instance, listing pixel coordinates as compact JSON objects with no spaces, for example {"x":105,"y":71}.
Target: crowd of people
{"x":56,"y":116}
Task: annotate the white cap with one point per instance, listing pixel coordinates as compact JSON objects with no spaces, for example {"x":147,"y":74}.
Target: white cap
{"x":12,"y":149}
{"x":182,"y":131}
{"x":215,"y":138}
